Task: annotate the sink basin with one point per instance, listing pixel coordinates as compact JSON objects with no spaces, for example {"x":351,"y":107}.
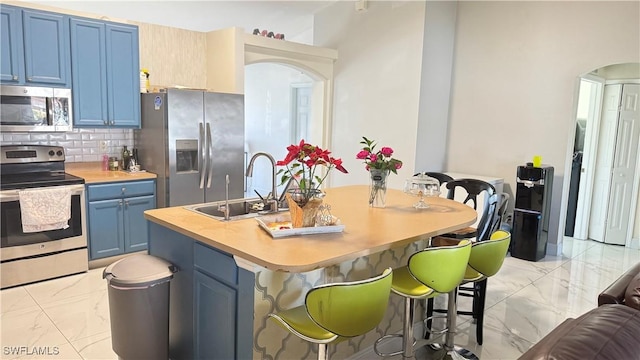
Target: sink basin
{"x":238,"y":209}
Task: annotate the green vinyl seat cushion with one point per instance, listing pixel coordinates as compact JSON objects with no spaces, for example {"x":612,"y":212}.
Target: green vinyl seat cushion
{"x":487,"y":257}
{"x":339,"y":310}
{"x":432,"y":271}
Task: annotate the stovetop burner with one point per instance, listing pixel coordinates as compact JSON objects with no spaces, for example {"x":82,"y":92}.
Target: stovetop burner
{"x":33,"y":180}
{"x":31,"y":166}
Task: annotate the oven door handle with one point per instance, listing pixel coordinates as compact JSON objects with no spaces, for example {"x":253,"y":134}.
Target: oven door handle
{"x":13,"y":195}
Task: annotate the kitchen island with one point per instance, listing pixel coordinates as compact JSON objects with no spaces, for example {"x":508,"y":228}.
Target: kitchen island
{"x":232,"y":274}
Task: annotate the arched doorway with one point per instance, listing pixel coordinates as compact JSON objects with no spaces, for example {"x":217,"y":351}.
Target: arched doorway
{"x":278,"y":112}
{"x":603,"y":200}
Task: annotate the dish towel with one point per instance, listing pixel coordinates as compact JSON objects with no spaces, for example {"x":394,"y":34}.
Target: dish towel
{"x":45,"y":209}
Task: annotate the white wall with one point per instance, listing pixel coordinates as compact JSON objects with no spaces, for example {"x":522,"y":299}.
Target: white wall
{"x":515,"y":78}
{"x":377,"y":81}
{"x":435,"y":86}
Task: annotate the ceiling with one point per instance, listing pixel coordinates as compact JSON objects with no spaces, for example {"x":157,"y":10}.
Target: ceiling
{"x":287,"y":17}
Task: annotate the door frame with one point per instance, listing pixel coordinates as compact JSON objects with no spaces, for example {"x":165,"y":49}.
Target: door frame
{"x":630,"y":242}
{"x":583,"y":210}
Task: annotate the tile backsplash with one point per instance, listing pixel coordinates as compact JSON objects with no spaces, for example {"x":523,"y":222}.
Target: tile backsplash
{"x":80,"y":145}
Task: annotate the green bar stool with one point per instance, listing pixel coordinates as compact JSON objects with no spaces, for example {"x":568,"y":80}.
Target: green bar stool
{"x":338,"y":311}
{"x":429,"y":272}
{"x":485,"y":260}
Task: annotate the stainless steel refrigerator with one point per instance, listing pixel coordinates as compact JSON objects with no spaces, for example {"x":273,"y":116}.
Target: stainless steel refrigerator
{"x":192,"y":139}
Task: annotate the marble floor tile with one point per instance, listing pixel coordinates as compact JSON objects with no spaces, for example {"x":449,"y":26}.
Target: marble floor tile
{"x":565,"y":296}
{"x":520,"y":316}
{"x":497,"y":344}
{"x":573,"y":247}
{"x":28,"y":328}
{"x":16,"y":299}
{"x":525,"y":301}
{"x":96,"y":346}
{"x":68,"y":286}
{"x":611,"y":256}
{"x":80,"y":316}
{"x":542,"y":267}
{"x":64,"y":351}
{"x":587,"y":274}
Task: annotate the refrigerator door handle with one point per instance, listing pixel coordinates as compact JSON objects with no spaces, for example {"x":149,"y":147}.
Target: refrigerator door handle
{"x":210,"y":157}
{"x":202,"y":159}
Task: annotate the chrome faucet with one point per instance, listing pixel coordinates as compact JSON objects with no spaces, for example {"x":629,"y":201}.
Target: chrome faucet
{"x":274,"y":185}
{"x":225,"y":208}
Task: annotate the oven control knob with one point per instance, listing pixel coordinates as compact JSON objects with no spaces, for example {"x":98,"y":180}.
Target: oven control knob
{"x":51,"y":153}
{"x":59,"y":153}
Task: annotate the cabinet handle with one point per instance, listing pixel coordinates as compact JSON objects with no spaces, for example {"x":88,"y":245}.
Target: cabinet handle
{"x":120,"y":203}
{"x":112,"y":122}
{"x":15,"y":77}
{"x":29,"y":79}
{"x":124,"y":189}
{"x":126,"y":203}
{"x":106,"y":122}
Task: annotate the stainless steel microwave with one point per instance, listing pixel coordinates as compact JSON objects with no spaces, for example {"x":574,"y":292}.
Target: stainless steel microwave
{"x":28,"y":108}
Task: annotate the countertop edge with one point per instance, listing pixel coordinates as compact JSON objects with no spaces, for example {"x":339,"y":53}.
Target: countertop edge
{"x":210,"y":241}
{"x":92,"y":173}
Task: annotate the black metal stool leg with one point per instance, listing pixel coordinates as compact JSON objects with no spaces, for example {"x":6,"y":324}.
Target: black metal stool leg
{"x":429,"y":314}
{"x":449,"y":350}
{"x":482,"y":292}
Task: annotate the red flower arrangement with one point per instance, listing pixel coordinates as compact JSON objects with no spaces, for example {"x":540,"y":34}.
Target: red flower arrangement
{"x":302,"y":162}
{"x":380,"y":160}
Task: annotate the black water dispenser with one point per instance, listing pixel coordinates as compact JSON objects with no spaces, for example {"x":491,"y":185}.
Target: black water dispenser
{"x":530,"y":230}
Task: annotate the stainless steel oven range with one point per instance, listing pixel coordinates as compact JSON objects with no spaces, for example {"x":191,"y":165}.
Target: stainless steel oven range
{"x":42,"y":254}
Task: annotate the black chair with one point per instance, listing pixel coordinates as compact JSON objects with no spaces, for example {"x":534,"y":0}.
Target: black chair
{"x":503,"y":202}
{"x":474,"y":188}
{"x":441,"y":177}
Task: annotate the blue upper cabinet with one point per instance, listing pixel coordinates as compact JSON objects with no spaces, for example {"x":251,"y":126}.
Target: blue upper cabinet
{"x":123,"y":79}
{"x":105,"y":63}
{"x":46,"y":48}
{"x":89,"y":68}
{"x":35,"y":47}
{"x":12,"y":53}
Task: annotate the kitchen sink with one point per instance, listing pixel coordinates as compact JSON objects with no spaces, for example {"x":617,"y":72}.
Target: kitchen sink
{"x":238,"y":209}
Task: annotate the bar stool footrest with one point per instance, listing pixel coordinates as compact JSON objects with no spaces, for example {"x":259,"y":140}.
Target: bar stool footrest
{"x":432,"y":331}
{"x":375,"y":346}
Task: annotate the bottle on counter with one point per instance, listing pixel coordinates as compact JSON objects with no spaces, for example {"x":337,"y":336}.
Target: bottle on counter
{"x":105,"y":162}
{"x":126,"y":155}
{"x":134,"y":157}
{"x":113,"y":163}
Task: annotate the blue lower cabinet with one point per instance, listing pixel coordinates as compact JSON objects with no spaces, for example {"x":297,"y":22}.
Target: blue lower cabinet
{"x":215,"y":304}
{"x":136,"y":231}
{"x":116,"y":223}
{"x":211,"y":314}
{"x":106,"y":231}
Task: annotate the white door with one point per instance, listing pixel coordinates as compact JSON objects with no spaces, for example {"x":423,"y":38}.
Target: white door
{"x":604,"y":161}
{"x":624,"y":165}
{"x":301,"y":112}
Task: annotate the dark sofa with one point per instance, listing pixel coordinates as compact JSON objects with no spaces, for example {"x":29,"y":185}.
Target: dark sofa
{"x":609,"y":332}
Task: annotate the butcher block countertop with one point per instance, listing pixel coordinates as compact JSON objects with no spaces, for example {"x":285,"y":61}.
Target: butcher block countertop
{"x":92,"y":173}
{"x":367,"y":230}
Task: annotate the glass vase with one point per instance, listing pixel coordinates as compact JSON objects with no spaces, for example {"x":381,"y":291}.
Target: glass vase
{"x":378,"y":187}
{"x":304,"y":206}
